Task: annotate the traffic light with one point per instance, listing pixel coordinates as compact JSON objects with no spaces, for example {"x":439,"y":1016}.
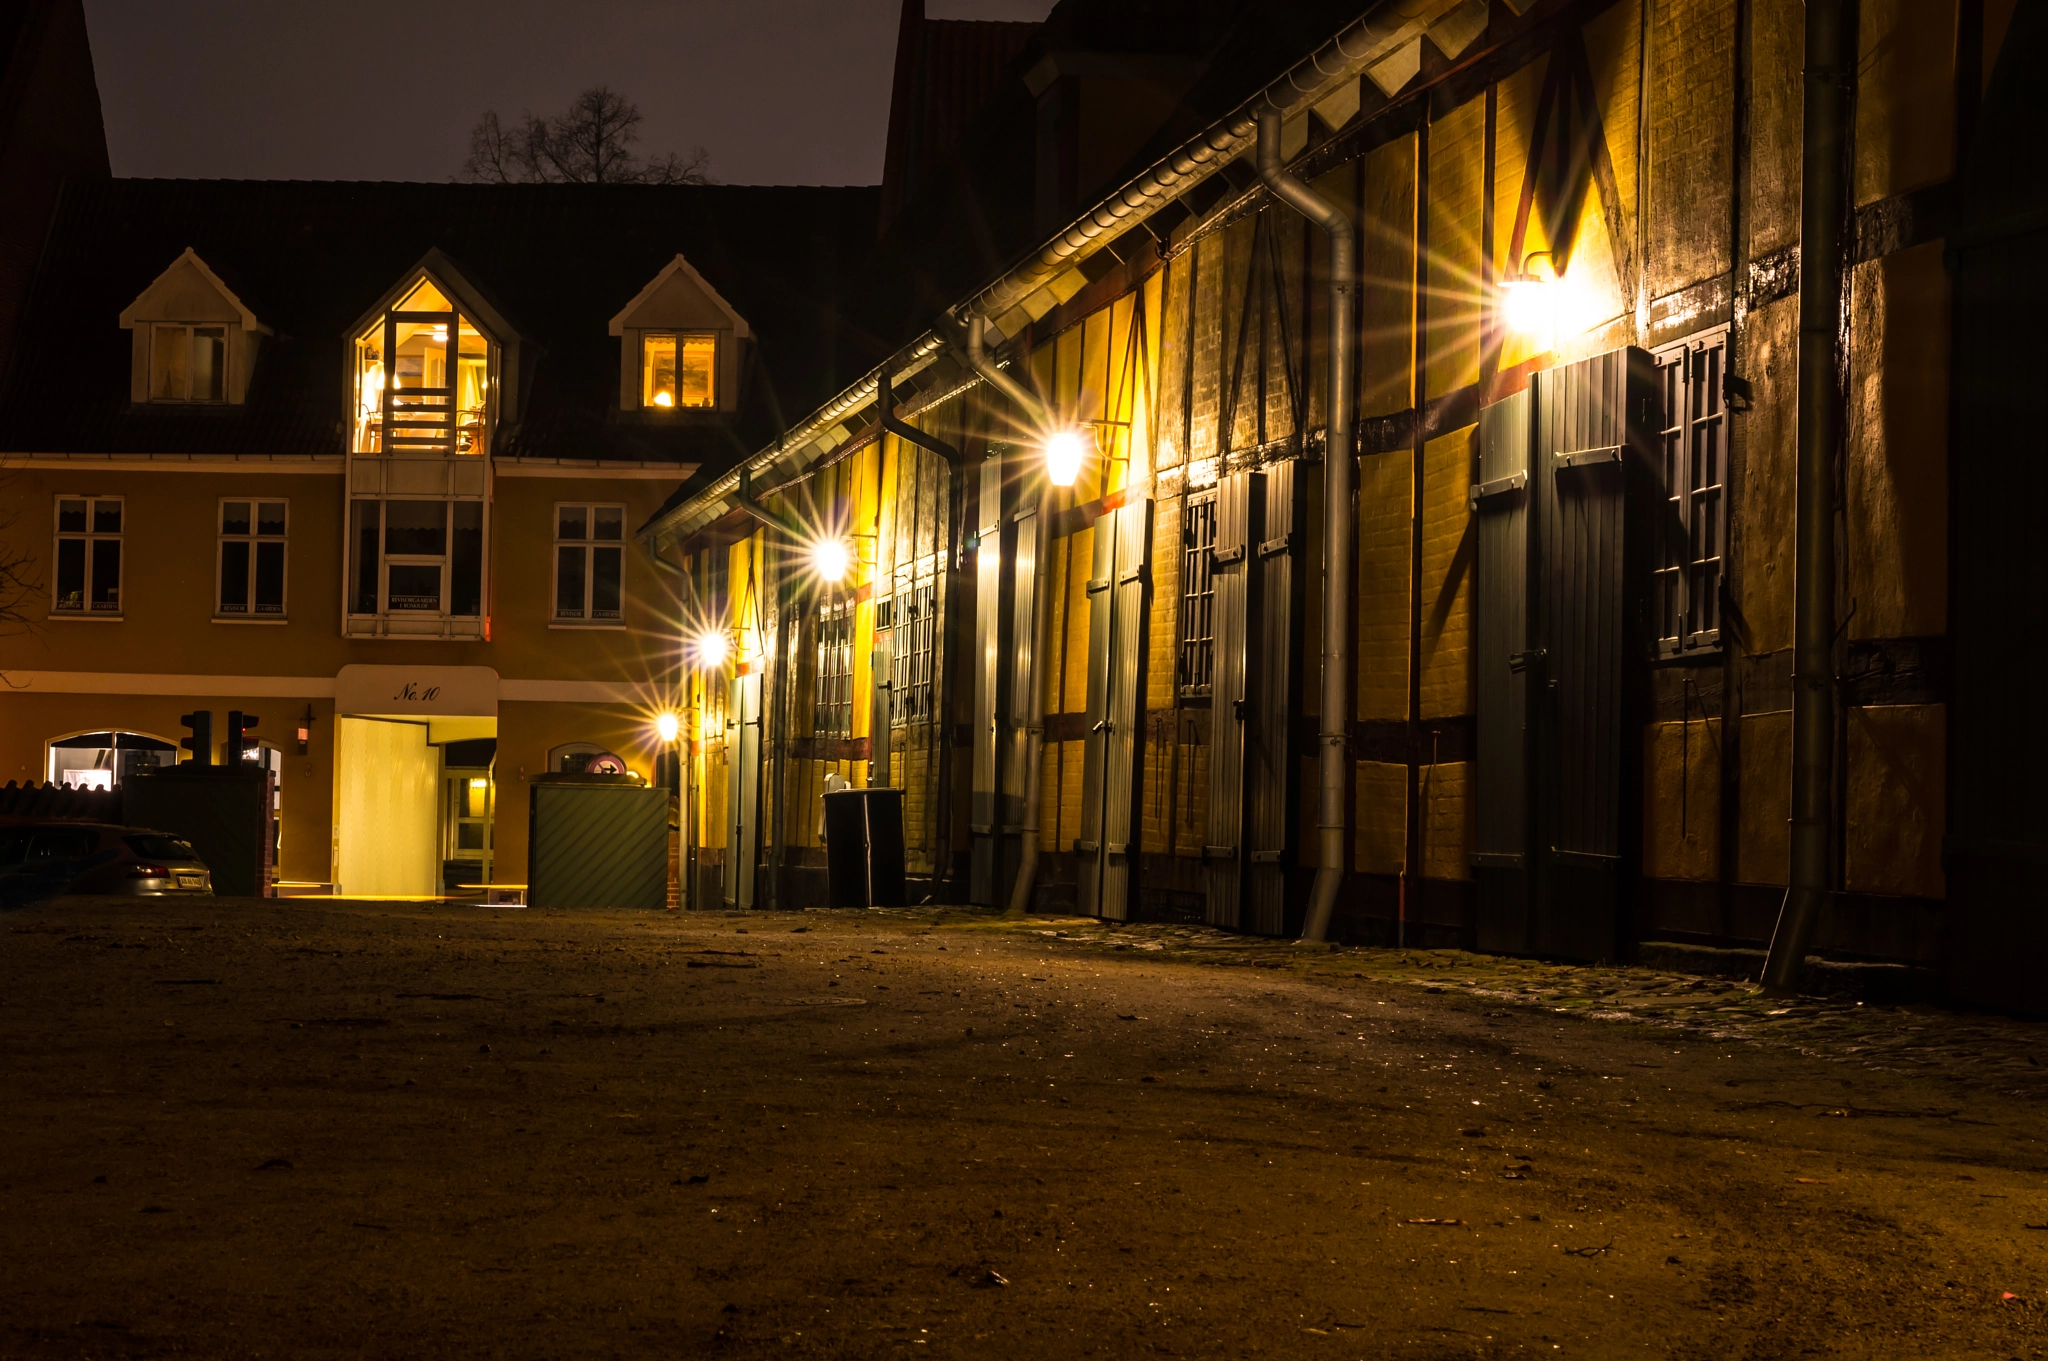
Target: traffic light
{"x":239,"y":724}
{"x":200,"y":743}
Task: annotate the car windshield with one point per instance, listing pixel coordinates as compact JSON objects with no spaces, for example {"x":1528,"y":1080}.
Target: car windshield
{"x":160,"y":848}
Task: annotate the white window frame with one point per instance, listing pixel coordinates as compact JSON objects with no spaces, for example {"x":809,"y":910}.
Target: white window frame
{"x":355,"y":620}
{"x":717,"y":363}
{"x":222,"y":539}
{"x":89,"y":536}
{"x":589,"y":544}
{"x":186,"y":329}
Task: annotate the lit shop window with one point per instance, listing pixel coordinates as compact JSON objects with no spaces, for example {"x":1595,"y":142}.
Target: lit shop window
{"x":422,"y":380}
{"x":252,"y":559}
{"x":188,"y":363}
{"x":88,"y":576}
{"x":589,"y":561}
{"x":677,"y":370}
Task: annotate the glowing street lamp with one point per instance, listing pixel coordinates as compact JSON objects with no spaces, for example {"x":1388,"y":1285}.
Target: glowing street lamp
{"x":1064,"y":450}
{"x":711,"y":649}
{"x":830,"y":558}
{"x":667,"y":726}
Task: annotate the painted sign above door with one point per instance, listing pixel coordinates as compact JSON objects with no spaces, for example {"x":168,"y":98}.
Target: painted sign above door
{"x":425,"y":691}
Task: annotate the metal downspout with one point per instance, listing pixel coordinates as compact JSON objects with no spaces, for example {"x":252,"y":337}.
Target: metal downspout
{"x":1828,"y":77}
{"x":1034,"y":704}
{"x":1340,"y":471}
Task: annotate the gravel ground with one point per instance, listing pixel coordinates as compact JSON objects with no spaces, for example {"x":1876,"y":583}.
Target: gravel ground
{"x":246,"y":1128}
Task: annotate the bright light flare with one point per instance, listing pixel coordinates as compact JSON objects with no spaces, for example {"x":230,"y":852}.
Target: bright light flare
{"x":668,"y":725}
{"x":1064,"y":450}
{"x":664,"y":399}
{"x":711,"y":649}
{"x":830,"y":559}
{"x":1528,"y":306}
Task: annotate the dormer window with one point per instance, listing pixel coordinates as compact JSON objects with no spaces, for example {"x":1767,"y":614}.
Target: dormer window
{"x":678,"y":370}
{"x":422,"y":379}
{"x":195,"y":340}
{"x":188,"y":363}
{"x":679,"y":346}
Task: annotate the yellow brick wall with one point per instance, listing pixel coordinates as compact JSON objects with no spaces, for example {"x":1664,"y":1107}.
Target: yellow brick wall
{"x":1692,"y":140}
{"x":1447,"y":820}
{"x":1770,"y":476}
{"x":1385,"y":494}
{"x":1457,"y":145}
{"x":1447,"y":562}
{"x":1896,"y":545}
{"x":1682,"y":800}
{"x":1896,"y":811}
{"x":1386,"y":303}
{"x":1776,"y":117}
{"x":1380,"y":835}
{"x":1905,"y":79}
{"x":1764,"y":850}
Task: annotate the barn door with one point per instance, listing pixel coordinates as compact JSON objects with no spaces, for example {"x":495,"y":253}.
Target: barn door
{"x":1507,"y":665}
{"x":1272,"y":753}
{"x":1116,"y":634}
{"x":743,"y":790}
{"x":990,"y":675}
{"x":1592,"y":450}
{"x":1239,"y":499}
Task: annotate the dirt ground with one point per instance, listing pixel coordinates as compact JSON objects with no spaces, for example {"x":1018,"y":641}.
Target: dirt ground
{"x":238,"y":1129}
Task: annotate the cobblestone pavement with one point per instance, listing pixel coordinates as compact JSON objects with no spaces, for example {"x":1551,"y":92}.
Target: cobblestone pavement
{"x":2004,"y":1054}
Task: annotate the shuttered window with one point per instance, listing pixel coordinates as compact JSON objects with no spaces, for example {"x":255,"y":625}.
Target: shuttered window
{"x":916,"y":616}
{"x":832,"y":714}
{"x":1197,"y":596}
{"x":1693,"y":462}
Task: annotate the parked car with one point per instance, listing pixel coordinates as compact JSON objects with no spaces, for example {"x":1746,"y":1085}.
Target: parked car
{"x":43,"y":859}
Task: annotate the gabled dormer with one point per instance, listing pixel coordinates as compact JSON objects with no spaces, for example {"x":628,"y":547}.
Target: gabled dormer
{"x":433,"y":367}
{"x":195,"y":342}
{"x":679,"y":346}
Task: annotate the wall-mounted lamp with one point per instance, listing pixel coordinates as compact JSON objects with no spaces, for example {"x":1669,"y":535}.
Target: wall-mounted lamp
{"x":667,"y":726}
{"x":711,"y":649}
{"x":1064,"y":451}
{"x":830,"y":558}
{"x":1529,"y":298}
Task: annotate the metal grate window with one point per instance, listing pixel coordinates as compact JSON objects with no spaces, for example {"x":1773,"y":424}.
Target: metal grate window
{"x":1197,"y":595}
{"x":916,"y":633}
{"x":833,"y":712}
{"x":1693,"y":461}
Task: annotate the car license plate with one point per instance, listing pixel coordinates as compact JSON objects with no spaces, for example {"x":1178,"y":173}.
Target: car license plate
{"x":191,"y":881}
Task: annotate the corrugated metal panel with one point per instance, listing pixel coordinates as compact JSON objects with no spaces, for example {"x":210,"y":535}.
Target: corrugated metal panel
{"x":1593,"y":452}
{"x":1101,"y":598}
{"x":1272,"y":751}
{"x":1014,"y":745}
{"x":1506,"y":664}
{"x":597,"y":846}
{"x":742,"y":789}
{"x":991,"y":686}
{"x":1126,"y":708}
{"x":1240,"y":499}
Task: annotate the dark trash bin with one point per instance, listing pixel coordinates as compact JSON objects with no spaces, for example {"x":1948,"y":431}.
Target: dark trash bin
{"x":864,"y":847}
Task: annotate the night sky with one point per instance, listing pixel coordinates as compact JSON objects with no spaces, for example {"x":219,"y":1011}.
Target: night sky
{"x":778,"y":91}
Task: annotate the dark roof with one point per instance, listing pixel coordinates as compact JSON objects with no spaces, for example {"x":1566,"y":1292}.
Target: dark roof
{"x":310,"y":257}
{"x":946,"y":70}
{"x":967,"y":223}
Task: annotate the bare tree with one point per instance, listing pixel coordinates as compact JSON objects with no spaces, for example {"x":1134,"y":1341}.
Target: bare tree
{"x":589,"y":143}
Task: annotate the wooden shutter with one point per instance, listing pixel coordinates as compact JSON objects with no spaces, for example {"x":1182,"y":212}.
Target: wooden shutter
{"x":1274,"y":887}
{"x":991,"y":689}
{"x":1116,"y":634}
{"x":1506,"y":666}
{"x":1240,"y":498}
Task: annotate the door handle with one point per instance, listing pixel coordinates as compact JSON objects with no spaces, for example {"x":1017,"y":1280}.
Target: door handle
{"x":1103,"y":726}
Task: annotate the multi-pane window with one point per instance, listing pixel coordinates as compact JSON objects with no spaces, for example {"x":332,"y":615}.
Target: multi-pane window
{"x":252,"y":559}
{"x":417,"y":557}
{"x":422,"y":380}
{"x":833,"y":712}
{"x":88,"y":577}
{"x":1197,"y":595}
{"x":916,"y":617}
{"x":188,"y":363}
{"x":1693,"y":460}
{"x":589,"y":562}
{"x":678,"y":370}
